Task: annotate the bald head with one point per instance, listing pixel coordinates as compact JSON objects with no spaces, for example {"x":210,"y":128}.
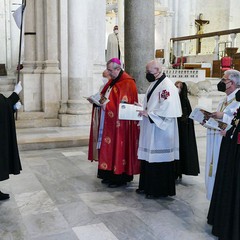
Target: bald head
{"x":154,"y":66}
{"x":106,"y":74}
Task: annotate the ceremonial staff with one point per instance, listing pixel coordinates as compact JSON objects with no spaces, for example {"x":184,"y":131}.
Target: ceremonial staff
{"x":18,"y":16}
{"x":20,"y":41}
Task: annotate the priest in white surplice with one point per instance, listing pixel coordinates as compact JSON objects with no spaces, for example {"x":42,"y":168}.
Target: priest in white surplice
{"x":113,"y":49}
{"x":225,"y":110}
{"x":158,"y":142}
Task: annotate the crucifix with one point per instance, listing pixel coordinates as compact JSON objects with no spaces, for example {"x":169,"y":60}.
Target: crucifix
{"x":200,"y":23}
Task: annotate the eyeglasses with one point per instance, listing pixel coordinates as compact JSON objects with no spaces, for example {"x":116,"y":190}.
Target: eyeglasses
{"x":225,"y":79}
{"x":111,"y":70}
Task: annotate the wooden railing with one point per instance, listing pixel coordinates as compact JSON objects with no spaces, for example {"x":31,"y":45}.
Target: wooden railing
{"x":206,"y":35}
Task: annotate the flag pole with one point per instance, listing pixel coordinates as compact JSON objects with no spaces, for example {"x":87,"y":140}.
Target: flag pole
{"x":20,"y":42}
{"x":20,"y":48}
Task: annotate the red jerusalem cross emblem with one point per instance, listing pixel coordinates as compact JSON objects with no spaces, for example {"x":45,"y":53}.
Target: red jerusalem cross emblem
{"x":165,"y":94}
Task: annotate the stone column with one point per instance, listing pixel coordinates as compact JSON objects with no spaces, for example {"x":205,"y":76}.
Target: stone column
{"x":5,"y":36}
{"x":175,"y":44}
{"x":216,"y":49}
{"x":96,"y":45}
{"x":86,"y":58}
{"x":63,"y":55}
{"x":97,"y":27}
{"x":171,"y":53}
{"x":32,"y":87}
{"x":29,"y":38}
{"x":40,"y":36}
{"x":32,"y":71}
{"x":168,"y":48}
{"x":163,"y":32}
{"x":121,"y":27}
{"x":139,"y":39}
{"x":51,"y":36}
{"x":51,"y":76}
{"x":78,"y":67}
{"x":77,"y":52}
{"x":183,"y":21}
{"x":233,"y":39}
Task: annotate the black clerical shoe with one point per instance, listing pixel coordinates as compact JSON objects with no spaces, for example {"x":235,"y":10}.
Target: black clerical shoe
{"x":105,"y":181}
{"x":115,"y":185}
{"x":140,"y":191}
{"x":150,"y":196}
{"x":4,"y":196}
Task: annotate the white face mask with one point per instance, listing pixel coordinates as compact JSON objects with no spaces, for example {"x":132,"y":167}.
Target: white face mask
{"x":105,"y":80}
{"x":116,"y":31}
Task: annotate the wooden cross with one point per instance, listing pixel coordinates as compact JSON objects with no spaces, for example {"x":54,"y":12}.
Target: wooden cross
{"x":200,"y":23}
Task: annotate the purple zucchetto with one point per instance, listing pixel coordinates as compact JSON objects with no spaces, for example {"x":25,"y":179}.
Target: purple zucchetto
{"x":115,"y":60}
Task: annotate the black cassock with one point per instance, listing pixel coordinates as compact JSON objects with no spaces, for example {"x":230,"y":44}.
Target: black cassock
{"x":224,"y":211}
{"x":9,"y":155}
{"x":189,"y":163}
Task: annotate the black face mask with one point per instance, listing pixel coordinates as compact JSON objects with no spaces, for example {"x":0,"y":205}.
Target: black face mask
{"x":238,"y":114}
{"x":150,"y":77}
{"x":221,"y":86}
{"x":237,"y":96}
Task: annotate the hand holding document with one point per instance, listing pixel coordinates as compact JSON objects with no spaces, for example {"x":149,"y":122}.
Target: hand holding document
{"x":129,"y":111}
{"x":204,"y":118}
{"x":97,"y":99}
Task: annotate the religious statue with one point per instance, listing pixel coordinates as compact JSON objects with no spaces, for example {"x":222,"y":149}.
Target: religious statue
{"x":200,"y":24}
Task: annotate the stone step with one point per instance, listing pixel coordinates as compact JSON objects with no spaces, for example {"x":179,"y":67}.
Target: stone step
{"x":6,"y":88}
{"x":8,"y":80}
{"x":51,"y":143}
{"x":63,"y":137}
{"x":34,"y":120}
{"x":7,"y":84}
{"x":52,"y":137}
{"x":6,"y":93}
{"x":37,"y":123}
{"x":30,"y":115}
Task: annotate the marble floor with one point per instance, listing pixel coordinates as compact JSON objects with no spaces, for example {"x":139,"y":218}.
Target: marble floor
{"x":58,"y":197}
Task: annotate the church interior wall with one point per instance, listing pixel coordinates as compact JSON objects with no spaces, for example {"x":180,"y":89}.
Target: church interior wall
{"x":111,"y":21}
{"x":63,"y":52}
{"x":222,"y":17}
{"x":178,"y":19}
{"x":217,"y":12}
{"x":234,"y":21}
{"x":32,"y":93}
{"x":3,"y":32}
{"x":9,"y":37}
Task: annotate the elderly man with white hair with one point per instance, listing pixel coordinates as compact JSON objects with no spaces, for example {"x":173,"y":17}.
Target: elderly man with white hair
{"x":226,"y":108}
{"x":158,"y":141}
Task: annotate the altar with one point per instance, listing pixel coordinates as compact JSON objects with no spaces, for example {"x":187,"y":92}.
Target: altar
{"x":202,"y":66}
{"x":194,"y":75}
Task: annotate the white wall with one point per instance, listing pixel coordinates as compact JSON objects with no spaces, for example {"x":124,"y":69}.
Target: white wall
{"x":9,"y":37}
{"x":3,"y":33}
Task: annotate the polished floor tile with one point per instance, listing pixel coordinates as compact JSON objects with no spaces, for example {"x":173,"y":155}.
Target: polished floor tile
{"x":58,"y":197}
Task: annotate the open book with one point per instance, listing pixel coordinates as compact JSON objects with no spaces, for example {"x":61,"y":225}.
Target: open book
{"x":97,"y":99}
{"x":129,"y":111}
{"x":204,"y":118}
